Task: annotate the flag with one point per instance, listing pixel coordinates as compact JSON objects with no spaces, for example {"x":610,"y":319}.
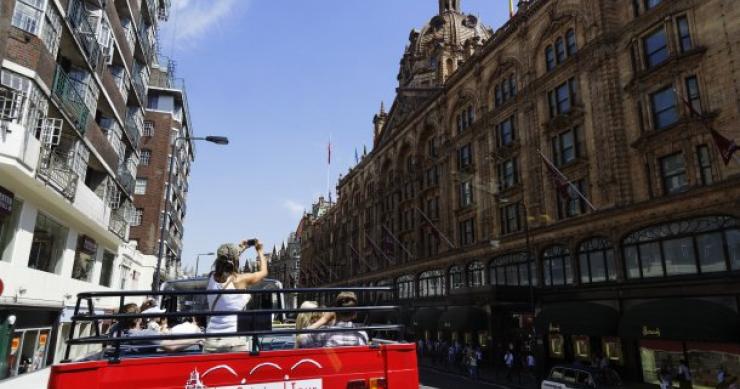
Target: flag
{"x":357,"y":157}
{"x":329,"y":152}
{"x":511,"y":8}
{"x":727,"y":147}
{"x":562,"y":185}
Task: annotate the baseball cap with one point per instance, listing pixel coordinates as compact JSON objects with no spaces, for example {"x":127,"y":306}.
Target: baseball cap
{"x":229,"y":250}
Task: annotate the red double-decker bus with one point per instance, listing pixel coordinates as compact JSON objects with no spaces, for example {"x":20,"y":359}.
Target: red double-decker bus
{"x":123,"y":363}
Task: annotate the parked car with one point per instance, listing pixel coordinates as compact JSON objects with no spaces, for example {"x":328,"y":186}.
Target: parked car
{"x":577,"y":377}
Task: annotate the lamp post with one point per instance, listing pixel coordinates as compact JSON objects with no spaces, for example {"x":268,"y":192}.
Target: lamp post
{"x":219,"y":140}
{"x":197,"y":261}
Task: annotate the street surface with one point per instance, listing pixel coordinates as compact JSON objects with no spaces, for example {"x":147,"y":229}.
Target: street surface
{"x":434,"y":379}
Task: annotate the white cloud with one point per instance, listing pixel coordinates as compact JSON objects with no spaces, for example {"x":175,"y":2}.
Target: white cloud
{"x":294,"y":207}
{"x":190,"y":20}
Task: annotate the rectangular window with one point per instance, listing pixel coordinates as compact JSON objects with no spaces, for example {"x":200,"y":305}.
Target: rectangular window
{"x":652,"y":3}
{"x":692,"y":92}
{"x":561,"y":99}
{"x":510,"y":218}
{"x":138,"y":217}
{"x":83,"y":265}
{"x":574,"y":205}
{"x":507,"y":174}
{"x":655,"y":48}
{"x":464,"y":157}
{"x":28,"y":15}
{"x":549,"y":58}
{"x":498,"y":98}
{"x":663,"y":105}
{"x":684,"y":36}
{"x":141,"y":184}
{"x":467,"y":232}
{"x":673,"y":174}
{"x":9,"y":226}
{"x":506,"y":133}
{"x":47,"y":247}
{"x":148,"y":128}
{"x":51,"y":33}
{"x":705,"y":164}
{"x":106,"y":270}
{"x":566,"y":147}
{"x":466,"y":194}
{"x":146,"y":155}
{"x":125,"y":272}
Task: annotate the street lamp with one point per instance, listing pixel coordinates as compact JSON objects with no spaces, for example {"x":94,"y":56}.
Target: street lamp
{"x":197,"y":261}
{"x":219,"y":140}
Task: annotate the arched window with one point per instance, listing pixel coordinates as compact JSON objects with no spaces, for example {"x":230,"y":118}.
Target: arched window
{"x":570,"y":40}
{"x":549,"y":58}
{"x":596,"y":260}
{"x":456,"y":277}
{"x":385,"y":296}
{"x":512,"y":270}
{"x":476,"y":274}
{"x":405,"y":287}
{"x":700,"y":245}
{"x":432,"y":283}
{"x":560,"y":50}
{"x":556,"y":266}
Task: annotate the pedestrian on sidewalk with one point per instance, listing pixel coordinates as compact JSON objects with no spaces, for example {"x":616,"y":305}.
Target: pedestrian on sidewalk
{"x":509,"y":362}
{"x":531,"y":363}
{"x":684,"y":375}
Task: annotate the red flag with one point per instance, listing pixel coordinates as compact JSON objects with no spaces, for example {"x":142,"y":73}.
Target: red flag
{"x":727,"y":147}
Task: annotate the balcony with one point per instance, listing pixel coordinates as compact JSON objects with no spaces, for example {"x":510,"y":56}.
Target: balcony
{"x":54,"y":169}
{"x":134,"y":126}
{"x":140,"y":87}
{"x":72,"y":101}
{"x":84,"y":33}
{"x":118,"y":224}
{"x":147,"y":42}
{"x":126,"y":179}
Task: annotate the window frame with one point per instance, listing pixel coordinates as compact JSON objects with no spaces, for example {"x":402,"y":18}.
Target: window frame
{"x":550,"y":58}
{"x":563,"y":256}
{"x":655,"y":113}
{"x":666,"y":176}
{"x":467,"y":232}
{"x":591,"y":247}
{"x":140,"y":185}
{"x":571,"y":44}
{"x":649,"y":54}
{"x":704,"y":162}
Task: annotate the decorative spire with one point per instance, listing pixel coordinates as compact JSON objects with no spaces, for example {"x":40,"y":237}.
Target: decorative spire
{"x":382,"y":107}
{"x":449,"y":6}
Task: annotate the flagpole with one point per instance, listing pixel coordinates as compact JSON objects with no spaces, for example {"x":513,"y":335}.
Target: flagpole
{"x":328,"y":171}
{"x":424,"y":215}
{"x":397,"y":241}
{"x":375,"y":246}
{"x":570,"y":184}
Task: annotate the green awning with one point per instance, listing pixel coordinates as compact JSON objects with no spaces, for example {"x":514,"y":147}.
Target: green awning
{"x":681,"y":319}
{"x":580,"y":318}
{"x":463,"y":319}
{"x":426,"y":318}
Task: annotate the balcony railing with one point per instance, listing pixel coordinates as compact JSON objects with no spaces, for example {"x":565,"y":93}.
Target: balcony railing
{"x":54,"y":169}
{"x":71,"y":100}
{"x":140,"y":87}
{"x":126,"y":179}
{"x":118,"y":224}
{"x":147,"y":43}
{"x":84,"y":32}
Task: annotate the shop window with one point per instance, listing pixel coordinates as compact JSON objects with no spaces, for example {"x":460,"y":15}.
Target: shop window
{"x":596,"y":259}
{"x":432,"y":283}
{"x":655,"y":48}
{"x":557,"y":267}
{"x":47,"y":247}
{"x":28,"y":351}
{"x":456,"y":278}
{"x":612,"y":348}
{"x":557,"y":351}
{"x":10,"y":214}
{"x":684,"y":36}
{"x":683,"y":247}
{"x":106,"y":270}
{"x":476,"y":274}
{"x":673,"y":174}
{"x":582,"y":347}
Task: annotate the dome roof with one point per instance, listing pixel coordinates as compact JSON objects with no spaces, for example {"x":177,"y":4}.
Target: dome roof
{"x":435,"y":51}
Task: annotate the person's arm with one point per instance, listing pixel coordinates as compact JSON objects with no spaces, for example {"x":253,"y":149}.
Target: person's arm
{"x":245,"y":280}
{"x":325,"y":319}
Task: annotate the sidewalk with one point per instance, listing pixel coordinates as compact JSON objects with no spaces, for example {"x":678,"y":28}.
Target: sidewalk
{"x":36,"y":380}
{"x":519,"y":379}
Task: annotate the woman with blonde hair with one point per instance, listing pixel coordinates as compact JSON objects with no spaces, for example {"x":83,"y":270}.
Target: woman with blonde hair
{"x":303,"y":321}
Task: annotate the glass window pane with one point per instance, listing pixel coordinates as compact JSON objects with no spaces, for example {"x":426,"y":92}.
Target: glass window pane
{"x":493,"y":276}
{"x":652,"y":265}
{"x":547,"y":270}
{"x":500,"y":276}
{"x":598,"y":272}
{"x":733,"y":247}
{"x":512,"y":278}
{"x":583,"y":261}
{"x":610,"y":266}
{"x":679,"y":256}
{"x":568,"y":270}
{"x":711,"y":252}
{"x":558,"y":272}
{"x":656,"y":49}
{"x":664,"y":108}
{"x":523,"y":274}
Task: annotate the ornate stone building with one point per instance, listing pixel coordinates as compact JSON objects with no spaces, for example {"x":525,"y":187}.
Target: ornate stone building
{"x":618,"y":96}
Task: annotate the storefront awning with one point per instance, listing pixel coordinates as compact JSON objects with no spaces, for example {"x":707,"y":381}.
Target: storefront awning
{"x":426,"y":318}
{"x":463,"y":319}
{"x":681,"y":319}
{"x":589,"y":319}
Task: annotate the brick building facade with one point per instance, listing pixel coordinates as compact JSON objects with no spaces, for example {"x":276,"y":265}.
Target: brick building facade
{"x":618,"y":96}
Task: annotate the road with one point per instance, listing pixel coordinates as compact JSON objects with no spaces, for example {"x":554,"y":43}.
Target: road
{"x":433,"y":379}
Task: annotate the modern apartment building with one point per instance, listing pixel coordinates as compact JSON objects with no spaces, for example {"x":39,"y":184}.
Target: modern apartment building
{"x":461,"y":209}
{"x":73,"y":92}
{"x":166,"y":122}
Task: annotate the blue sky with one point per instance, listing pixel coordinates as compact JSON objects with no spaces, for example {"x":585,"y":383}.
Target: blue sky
{"x":279,"y":77}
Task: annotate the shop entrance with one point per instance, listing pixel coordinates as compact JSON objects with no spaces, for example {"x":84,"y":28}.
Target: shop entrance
{"x":28,"y":350}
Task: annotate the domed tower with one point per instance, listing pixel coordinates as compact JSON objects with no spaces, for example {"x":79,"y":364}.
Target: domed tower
{"x":441,"y":46}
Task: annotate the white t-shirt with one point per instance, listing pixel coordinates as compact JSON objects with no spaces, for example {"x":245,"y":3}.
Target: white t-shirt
{"x":227,"y":302}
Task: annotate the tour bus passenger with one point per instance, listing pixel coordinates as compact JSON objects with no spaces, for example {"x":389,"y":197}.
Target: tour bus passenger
{"x":226,"y":276}
{"x":303,"y":321}
{"x":132,"y":328}
{"x":343,"y":319}
{"x":158,"y":324}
